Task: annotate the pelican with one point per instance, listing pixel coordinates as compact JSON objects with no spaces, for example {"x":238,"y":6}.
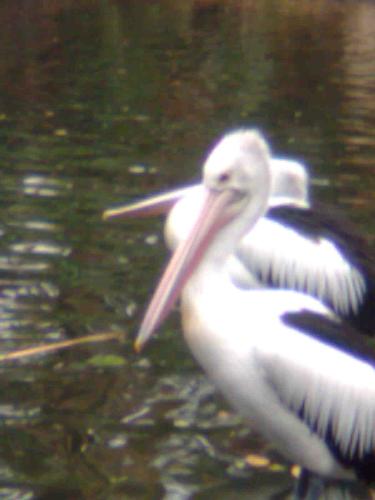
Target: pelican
{"x":293,"y":246}
{"x":282,"y":359}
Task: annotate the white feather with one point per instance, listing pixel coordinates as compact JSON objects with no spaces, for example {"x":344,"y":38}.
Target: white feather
{"x":291,"y":260}
{"x":334,"y":388}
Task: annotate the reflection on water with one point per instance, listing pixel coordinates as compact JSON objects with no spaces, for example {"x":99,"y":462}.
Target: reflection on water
{"x":359,"y":73}
{"x":101,"y":102}
{"x":28,"y":290}
{"x":38,"y":185}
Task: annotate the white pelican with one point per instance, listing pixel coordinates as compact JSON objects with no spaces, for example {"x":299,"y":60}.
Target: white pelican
{"x":294,"y":246}
{"x":281,"y":358}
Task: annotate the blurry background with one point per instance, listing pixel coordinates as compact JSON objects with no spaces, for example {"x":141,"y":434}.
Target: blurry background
{"x":102,"y":102}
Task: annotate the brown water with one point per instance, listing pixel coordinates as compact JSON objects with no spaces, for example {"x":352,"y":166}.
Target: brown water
{"x":102,"y":102}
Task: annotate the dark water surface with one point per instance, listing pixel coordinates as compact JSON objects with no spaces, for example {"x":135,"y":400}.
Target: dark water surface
{"x":104,"y":101}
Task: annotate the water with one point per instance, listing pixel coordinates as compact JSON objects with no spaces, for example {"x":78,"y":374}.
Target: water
{"x":102,"y":102}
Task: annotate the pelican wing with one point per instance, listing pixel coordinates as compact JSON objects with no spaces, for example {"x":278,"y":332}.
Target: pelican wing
{"x":331,"y":388}
{"x":293,"y":248}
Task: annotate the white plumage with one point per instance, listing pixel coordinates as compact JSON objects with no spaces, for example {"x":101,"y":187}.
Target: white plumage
{"x":279,"y":254}
{"x":278,"y":356}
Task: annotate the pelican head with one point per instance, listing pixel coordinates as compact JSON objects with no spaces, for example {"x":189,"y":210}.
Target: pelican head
{"x":290,"y":183}
{"x":240,"y":161}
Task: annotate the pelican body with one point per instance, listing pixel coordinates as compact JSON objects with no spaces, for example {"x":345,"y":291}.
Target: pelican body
{"x":302,"y":376}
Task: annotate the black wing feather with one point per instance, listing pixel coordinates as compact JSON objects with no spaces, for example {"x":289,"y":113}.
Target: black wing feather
{"x":318,"y":222}
{"x":340,"y":335}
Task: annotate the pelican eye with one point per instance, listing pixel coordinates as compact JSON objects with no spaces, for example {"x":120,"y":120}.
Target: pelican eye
{"x":224,"y":178}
